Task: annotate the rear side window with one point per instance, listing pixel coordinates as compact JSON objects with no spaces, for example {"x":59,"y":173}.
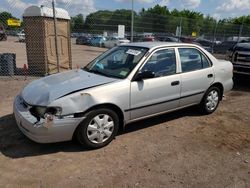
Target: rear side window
{"x":192,"y":59}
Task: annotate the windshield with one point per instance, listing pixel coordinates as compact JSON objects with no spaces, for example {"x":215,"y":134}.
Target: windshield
{"x":117,"y":62}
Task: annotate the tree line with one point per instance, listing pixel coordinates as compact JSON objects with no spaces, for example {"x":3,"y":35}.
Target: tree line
{"x":158,"y":19}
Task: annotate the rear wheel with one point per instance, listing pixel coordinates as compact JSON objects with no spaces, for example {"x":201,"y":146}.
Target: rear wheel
{"x":210,"y":100}
{"x":98,"y":129}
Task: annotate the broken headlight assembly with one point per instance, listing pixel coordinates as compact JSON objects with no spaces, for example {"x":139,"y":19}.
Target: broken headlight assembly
{"x":45,"y":112}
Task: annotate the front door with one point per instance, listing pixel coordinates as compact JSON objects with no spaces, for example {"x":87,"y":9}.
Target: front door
{"x":158,"y":94}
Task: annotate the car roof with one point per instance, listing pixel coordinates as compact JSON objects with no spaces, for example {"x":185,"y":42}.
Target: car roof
{"x":153,"y":45}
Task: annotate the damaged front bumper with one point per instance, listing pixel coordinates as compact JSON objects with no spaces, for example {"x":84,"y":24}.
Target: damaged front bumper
{"x":57,"y":130}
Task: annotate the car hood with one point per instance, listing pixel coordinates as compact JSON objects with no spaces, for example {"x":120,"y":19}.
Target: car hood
{"x":43,"y":91}
{"x":243,"y":47}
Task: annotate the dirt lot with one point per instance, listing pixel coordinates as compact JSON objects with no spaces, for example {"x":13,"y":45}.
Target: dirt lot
{"x":180,"y":149}
{"x":81,"y":54}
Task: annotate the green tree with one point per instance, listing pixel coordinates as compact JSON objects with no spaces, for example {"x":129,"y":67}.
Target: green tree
{"x":153,"y":19}
{"x":208,"y":27}
{"x":4,"y":16}
{"x":77,"y":23}
{"x":108,"y":20}
{"x":159,"y":19}
{"x":97,"y":22}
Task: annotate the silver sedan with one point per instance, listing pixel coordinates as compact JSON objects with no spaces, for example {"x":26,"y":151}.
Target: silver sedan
{"x":128,"y":83}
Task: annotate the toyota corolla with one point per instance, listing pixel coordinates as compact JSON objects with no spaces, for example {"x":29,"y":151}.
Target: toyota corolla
{"x":127,"y":83}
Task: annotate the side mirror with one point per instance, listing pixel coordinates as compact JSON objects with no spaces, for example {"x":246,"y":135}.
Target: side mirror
{"x":144,"y":75}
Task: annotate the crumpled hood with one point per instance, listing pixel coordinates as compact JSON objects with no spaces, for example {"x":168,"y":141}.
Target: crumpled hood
{"x":44,"y":91}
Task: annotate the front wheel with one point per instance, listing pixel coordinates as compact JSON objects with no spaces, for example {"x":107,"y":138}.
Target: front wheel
{"x":210,"y":100}
{"x":98,"y":129}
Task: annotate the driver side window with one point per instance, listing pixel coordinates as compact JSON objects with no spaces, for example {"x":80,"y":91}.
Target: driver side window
{"x":161,"y":63}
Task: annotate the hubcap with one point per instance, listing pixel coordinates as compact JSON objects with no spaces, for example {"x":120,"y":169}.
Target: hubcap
{"x":212,"y":100}
{"x":100,"y":128}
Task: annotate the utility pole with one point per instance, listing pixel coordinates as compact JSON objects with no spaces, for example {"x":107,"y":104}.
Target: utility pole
{"x":180,"y":30}
{"x":55,"y":29}
{"x":241,"y":29}
{"x":214,"y":36}
{"x":132,"y":22}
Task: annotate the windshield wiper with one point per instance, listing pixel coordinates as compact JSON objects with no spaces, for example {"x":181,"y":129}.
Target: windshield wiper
{"x":98,"y":72}
{"x":102,"y":73}
{"x":94,"y":71}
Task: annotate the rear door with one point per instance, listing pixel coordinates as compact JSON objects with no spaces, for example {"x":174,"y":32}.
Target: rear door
{"x":196,"y":77}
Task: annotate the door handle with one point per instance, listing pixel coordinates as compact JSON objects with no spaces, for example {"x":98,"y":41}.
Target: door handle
{"x":210,"y":75}
{"x":175,"y":83}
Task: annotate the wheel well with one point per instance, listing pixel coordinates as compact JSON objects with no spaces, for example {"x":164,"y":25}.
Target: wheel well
{"x":113,"y":107}
{"x":220,"y":87}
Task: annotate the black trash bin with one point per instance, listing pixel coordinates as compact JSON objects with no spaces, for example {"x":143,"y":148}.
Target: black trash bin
{"x":8,"y":64}
{"x":0,"y":64}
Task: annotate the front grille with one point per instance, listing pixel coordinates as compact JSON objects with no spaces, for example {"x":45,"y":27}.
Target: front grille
{"x":242,"y":69}
{"x":242,"y":57}
{"x":241,"y":62}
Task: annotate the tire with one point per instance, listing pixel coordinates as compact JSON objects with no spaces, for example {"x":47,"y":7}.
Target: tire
{"x":210,"y":100}
{"x":98,"y":129}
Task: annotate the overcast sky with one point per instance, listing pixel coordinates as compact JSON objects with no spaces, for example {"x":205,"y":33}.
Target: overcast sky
{"x":215,"y":8}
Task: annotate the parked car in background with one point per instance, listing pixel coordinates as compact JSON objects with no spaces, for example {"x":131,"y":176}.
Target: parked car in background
{"x":21,"y":36}
{"x":143,"y":38}
{"x":74,"y":35}
{"x":239,"y":55}
{"x":12,"y":33}
{"x":3,"y":35}
{"x":128,"y":83}
{"x":97,"y":41}
{"x":206,"y":44}
{"x":85,"y":40}
{"x":167,"y":39}
{"x":224,"y":46}
{"x":148,"y":39}
{"x":187,"y":39}
{"x":115,"y":41}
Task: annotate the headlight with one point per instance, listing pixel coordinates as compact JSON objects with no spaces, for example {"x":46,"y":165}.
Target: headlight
{"x":39,"y":111}
{"x":54,"y":111}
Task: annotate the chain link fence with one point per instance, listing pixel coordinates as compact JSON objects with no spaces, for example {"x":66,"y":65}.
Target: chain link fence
{"x":43,"y":45}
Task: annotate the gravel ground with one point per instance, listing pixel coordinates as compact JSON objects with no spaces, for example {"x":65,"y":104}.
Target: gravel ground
{"x":180,"y":149}
{"x":81,"y":54}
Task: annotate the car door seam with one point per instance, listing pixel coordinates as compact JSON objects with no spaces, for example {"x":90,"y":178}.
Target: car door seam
{"x":162,"y":102}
